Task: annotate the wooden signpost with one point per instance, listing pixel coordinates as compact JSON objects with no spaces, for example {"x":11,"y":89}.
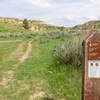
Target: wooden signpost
{"x":91,"y":68}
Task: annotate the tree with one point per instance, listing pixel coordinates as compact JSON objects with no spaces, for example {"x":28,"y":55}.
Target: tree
{"x":62,"y":28}
{"x":25,"y":24}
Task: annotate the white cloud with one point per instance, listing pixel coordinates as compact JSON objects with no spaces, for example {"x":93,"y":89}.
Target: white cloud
{"x":37,"y":3}
{"x":56,"y":13}
{"x":92,"y":17}
{"x":77,"y":13}
{"x":95,"y":1}
{"x":40,"y":3}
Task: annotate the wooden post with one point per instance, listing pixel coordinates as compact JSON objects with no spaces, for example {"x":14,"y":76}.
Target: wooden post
{"x":91,"y":66}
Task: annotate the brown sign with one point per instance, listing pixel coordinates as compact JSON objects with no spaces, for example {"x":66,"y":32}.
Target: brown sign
{"x":94,"y":50}
{"x":91,"y":68}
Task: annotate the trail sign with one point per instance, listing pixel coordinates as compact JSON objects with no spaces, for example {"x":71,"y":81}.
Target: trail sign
{"x":91,"y":68}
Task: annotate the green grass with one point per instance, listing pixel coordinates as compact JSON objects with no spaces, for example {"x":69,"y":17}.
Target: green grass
{"x":41,"y":72}
{"x":6,"y":49}
{"x":12,"y":28}
{"x":3,"y":27}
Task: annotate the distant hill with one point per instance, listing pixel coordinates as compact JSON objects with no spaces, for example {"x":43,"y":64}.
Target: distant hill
{"x":10,"y":20}
{"x":16,"y":25}
{"x":19,"y":21}
{"x":89,"y":25}
{"x":85,"y":28}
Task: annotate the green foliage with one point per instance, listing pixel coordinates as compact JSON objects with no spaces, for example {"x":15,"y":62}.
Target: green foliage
{"x":43,"y":40}
{"x":12,"y":28}
{"x":57,"y":35}
{"x":6,"y":50}
{"x":25,"y":24}
{"x":70,"y":52}
{"x":62,"y":28}
{"x":41,"y":71}
{"x":28,"y":35}
{"x":65,"y":81}
{"x":55,"y":75}
{"x":57,"y":79}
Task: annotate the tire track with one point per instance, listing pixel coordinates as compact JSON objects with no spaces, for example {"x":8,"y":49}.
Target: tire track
{"x":8,"y":77}
{"x":26,"y":54}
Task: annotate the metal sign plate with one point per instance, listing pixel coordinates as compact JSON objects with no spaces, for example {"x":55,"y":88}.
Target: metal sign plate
{"x":94,"y":59}
{"x":93,"y":69}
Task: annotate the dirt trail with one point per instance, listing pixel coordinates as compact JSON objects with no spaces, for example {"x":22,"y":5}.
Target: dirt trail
{"x":8,"y":77}
{"x":7,"y":41}
{"x":26,"y":54}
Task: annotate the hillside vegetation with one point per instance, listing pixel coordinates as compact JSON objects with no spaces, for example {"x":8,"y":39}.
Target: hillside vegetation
{"x":16,"y":25}
{"x":41,"y":65}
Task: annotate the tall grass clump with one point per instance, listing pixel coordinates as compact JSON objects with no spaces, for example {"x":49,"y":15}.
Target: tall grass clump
{"x":70,"y":52}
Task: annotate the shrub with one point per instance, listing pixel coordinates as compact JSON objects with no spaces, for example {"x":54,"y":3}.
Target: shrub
{"x":28,"y":35}
{"x":56,"y":35}
{"x":43,"y":40}
{"x":25,"y":24}
{"x":70,"y":52}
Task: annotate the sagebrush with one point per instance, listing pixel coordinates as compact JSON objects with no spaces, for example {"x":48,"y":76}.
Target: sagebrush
{"x":70,"y":52}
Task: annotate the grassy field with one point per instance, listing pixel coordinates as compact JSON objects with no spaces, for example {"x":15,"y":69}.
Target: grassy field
{"x":30,"y":71}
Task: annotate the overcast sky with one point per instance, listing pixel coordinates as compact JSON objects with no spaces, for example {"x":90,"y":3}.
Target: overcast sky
{"x":55,"y":12}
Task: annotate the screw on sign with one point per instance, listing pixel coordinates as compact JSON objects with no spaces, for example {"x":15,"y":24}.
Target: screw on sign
{"x":91,"y":69}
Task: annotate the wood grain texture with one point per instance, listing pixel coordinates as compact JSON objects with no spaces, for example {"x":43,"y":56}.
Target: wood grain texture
{"x":91,"y":86}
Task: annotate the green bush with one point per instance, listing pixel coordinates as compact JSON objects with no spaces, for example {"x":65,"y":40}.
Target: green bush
{"x":70,"y":52}
{"x":25,"y":24}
